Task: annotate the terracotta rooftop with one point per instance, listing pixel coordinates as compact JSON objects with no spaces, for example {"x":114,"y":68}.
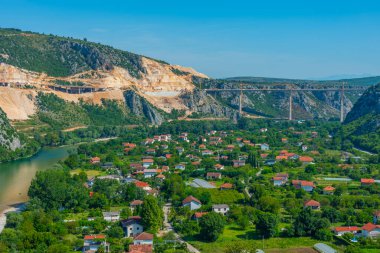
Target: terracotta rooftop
{"x":190,"y":199}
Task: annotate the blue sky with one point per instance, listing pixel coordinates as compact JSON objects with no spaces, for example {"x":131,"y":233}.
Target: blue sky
{"x":293,"y":39}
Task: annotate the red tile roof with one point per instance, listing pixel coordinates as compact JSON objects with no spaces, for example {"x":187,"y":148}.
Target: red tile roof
{"x":141,"y":248}
{"x":190,"y":199}
{"x":367,"y":181}
{"x":143,"y":236}
{"x":312,"y":203}
{"x":141,"y":184}
{"x":226,"y":186}
{"x":92,"y":237}
{"x":342,"y":229}
{"x":148,"y":160}
{"x":370,"y":226}
{"x":136,"y":202}
{"x":329,"y":189}
{"x":198,"y":215}
{"x":306,"y":159}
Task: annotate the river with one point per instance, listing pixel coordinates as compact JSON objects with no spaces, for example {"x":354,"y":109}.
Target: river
{"x":15,"y":177}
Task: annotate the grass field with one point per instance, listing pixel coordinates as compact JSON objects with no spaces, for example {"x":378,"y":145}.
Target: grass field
{"x":90,"y":173}
{"x":234,"y":233}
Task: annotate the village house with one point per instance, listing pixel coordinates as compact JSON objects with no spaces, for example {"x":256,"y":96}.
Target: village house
{"x":281,"y":157}
{"x":315,"y":205}
{"x":143,"y":239}
{"x":132,"y":226}
{"x":304,"y":148}
{"x":128,"y":146}
{"x":180,"y":167}
{"x":230,"y":147}
{"x":202,"y":146}
{"x":305,"y":159}
{"x":367,"y":181}
{"x":339,"y":231}
{"x":151,"y":151}
{"x":376,"y":216}
{"x":93,"y":242}
{"x":226,"y":186}
{"x":264,"y":156}
{"x":198,"y":215}
{"x":148,"y":142}
{"x":135,"y":203}
{"x":303,"y":184}
{"x":238,"y":163}
{"x":263,"y":130}
{"x":147,"y":162}
{"x":218,"y":167}
{"x":183,"y":137}
{"x":221,"y":208}
{"x":280,"y":179}
{"x":328,"y":190}
{"x":191,"y":202}
{"x":284,"y":140}
{"x":213,"y":175}
{"x":142,"y":185}
{"x":264,"y":147}
{"x":207,"y":152}
{"x":148,"y":173}
{"x":140,"y":248}
{"x":111,"y":216}
{"x":161,"y":177}
{"x":270,"y":162}
{"x":95,"y":160}
{"x":180,"y":150}
{"x":371,"y":230}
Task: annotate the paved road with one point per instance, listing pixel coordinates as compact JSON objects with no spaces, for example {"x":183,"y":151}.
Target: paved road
{"x":168,"y":227}
{"x":364,"y":151}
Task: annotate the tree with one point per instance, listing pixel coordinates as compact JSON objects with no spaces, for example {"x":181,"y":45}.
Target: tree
{"x":212,"y":225}
{"x":267,"y":224}
{"x":151,"y":214}
{"x":323,"y":234}
{"x":243,"y":221}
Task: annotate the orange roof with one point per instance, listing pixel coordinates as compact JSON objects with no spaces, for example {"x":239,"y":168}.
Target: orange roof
{"x":263,"y":155}
{"x":226,"y":186}
{"x":136,"y":202}
{"x":367,"y":181}
{"x":341,"y":229}
{"x":147,"y":160}
{"x":199,"y":214}
{"x":306,"y":159}
{"x":190,"y":199}
{"x":160,"y":176}
{"x":329,"y":188}
{"x":143,"y":236}
{"x":140,"y":248}
{"x":312,"y":203}
{"x":281,"y":157}
{"x":370,"y":226}
{"x":92,"y":237}
{"x":141,"y":184}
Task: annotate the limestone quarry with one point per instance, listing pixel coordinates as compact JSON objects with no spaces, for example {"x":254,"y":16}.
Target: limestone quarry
{"x":160,"y":86}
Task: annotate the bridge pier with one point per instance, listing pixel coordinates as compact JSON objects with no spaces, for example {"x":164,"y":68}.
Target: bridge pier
{"x":342,"y":104}
{"x":290,"y":105}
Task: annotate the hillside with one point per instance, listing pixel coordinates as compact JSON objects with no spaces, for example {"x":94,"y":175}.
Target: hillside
{"x":80,"y":71}
{"x":362,"y":124}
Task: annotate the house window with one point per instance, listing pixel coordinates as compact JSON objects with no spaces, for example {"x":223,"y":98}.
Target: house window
{"x":138,"y":228}
{"x":130,"y":228}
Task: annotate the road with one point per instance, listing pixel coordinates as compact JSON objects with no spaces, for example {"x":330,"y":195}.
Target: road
{"x":168,"y":227}
{"x":364,"y":151}
{"x":249,"y":179}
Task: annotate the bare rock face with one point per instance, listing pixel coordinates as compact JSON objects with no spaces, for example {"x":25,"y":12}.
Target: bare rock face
{"x":200,"y":102}
{"x":8,"y":136}
{"x":140,"y":106}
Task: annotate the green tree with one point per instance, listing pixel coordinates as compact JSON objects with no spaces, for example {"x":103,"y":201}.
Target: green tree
{"x":212,"y":225}
{"x":267,"y":224}
{"x":151,"y":214}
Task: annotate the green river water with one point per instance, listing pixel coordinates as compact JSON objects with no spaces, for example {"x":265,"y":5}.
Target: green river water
{"x":15,"y":177}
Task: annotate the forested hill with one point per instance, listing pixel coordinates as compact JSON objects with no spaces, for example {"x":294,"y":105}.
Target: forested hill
{"x":62,"y":56}
{"x":364,"y":81}
{"x":362,"y":123}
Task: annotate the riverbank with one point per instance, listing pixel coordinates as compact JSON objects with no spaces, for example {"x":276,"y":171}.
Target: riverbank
{"x":3,"y":216}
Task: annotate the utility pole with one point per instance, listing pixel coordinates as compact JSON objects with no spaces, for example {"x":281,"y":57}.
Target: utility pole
{"x":240,"y":101}
{"x":342,"y":104}
{"x":291,"y":105}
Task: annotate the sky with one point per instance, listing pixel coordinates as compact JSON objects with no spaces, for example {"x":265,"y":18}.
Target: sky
{"x":317,"y":39}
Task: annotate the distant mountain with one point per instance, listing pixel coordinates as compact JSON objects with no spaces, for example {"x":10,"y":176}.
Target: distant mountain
{"x":362,"y":81}
{"x":362,"y":123}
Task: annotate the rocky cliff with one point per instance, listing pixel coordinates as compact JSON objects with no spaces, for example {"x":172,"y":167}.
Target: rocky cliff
{"x":9,"y":139}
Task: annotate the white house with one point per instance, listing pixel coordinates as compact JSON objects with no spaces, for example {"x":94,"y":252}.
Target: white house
{"x":222,"y":209}
{"x":191,"y":202}
{"x":339,"y":231}
{"x":180,"y":167}
{"x":264,"y":147}
{"x":143,"y":238}
{"x":111,"y":216}
{"x":147,"y":162}
{"x":371,"y":230}
{"x":132,"y":226}
{"x":93,"y":242}
{"x":148,"y":173}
